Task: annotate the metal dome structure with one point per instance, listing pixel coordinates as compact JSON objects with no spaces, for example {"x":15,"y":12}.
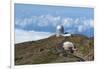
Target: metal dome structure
{"x":59,"y":30}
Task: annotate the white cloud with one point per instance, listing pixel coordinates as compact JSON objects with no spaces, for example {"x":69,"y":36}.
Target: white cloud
{"x":67,"y":22}
{"x":85,"y":25}
{"x":80,"y":24}
{"x":81,"y":28}
{"x":45,"y":20}
{"x":23,"y":35}
{"x":42,"y":20}
{"x":88,"y":23}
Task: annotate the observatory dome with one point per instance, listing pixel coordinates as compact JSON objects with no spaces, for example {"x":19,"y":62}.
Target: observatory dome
{"x":59,"y":30}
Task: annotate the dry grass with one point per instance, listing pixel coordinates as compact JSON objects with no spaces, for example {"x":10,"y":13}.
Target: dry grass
{"x":44,"y":51}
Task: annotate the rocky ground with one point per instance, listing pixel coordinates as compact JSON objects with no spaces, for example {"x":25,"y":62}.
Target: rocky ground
{"x":46,"y":50}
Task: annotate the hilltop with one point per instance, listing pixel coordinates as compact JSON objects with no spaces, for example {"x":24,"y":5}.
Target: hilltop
{"x":45,"y":50}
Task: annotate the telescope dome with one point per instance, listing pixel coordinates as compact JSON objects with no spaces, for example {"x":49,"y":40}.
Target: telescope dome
{"x":59,"y":30}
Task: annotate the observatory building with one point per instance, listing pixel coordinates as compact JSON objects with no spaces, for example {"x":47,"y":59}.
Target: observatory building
{"x":59,"y":30}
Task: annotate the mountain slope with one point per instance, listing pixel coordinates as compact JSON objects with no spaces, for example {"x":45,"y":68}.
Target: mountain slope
{"x":45,"y":50}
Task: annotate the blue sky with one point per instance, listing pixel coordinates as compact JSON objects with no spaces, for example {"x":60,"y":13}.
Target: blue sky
{"x":43,"y":19}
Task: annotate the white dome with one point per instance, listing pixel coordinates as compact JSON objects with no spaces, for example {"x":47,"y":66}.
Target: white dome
{"x":59,"y":27}
{"x":68,"y":44}
{"x":59,"y":30}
